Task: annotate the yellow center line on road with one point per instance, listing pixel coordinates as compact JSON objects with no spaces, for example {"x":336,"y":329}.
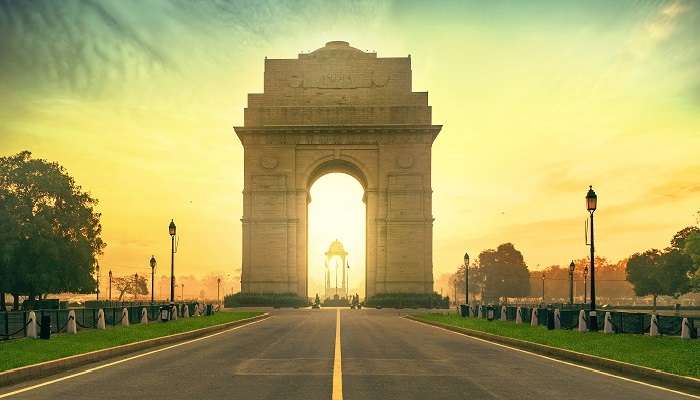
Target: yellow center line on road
{"x":337,"y":365}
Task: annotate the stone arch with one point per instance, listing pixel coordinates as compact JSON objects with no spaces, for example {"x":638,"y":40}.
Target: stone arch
{"x":337,"y":109}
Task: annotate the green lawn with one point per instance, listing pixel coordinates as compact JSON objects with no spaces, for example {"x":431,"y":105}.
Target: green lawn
{"x":20,"y":352}
{"x":670,"y":354}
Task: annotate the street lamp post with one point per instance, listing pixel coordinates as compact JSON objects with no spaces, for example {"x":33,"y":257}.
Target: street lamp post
{"x":153,"y":270}
{"x":466,"y":280}
{"x":218,"y":284}
{"x":182,"y":292}
{"x":591,"y":205}
{"x":572,"y":266}
{"x":110,"y":285}
{"x":172,"y":231}
{"x":543,"y":288}
{"x":136,"y":286}
{"x":98,"y":281}
{"x":585,"y":284}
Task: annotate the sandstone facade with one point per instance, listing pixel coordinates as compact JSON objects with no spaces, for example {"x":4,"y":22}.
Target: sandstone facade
{"x":337,"y":109}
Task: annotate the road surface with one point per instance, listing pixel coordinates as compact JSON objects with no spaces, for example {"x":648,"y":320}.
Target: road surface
{"x":293,"y":355}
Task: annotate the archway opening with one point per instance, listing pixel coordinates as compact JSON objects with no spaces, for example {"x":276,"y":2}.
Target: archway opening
{"x":336,"y":212}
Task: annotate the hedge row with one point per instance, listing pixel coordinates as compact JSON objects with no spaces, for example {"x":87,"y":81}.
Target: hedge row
{"x":265,"y":300}
{"x":408,"y":300}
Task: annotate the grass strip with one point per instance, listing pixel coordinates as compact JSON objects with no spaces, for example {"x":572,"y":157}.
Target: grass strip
{"x":20,"y":352}
{"x":665,"y":353}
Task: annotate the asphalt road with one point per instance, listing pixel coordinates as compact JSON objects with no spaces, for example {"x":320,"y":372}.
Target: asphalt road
{"x":291,"y":356}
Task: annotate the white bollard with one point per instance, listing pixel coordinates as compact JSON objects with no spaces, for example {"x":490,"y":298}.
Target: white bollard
{"x":125,"y":317}
{"x":31,"y":327}
{"x":685,"y":329}
{"x":557,"y":319}
{"x":100,"y":319}
{"x":480,"y":313}
{"x":144,"y":316}
{"x":533,"y":318}
{"x":173,"y":313}
{"x":582,"y":326}
{"x":654,"y":327}
{"x":71,"y":326}
{"x":518,"y":316}
{"x":608,"y":327}
{"x":503,"y":313}
{"x":185,"y":311}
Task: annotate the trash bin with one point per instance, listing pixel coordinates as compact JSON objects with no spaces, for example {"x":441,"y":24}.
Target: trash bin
{"x":165,"y":313}
{"x":489,"y":312}
{"x":464,"y":310}
{"x":45,"y":332}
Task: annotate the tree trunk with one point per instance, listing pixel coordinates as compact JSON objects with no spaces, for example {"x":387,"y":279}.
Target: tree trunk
{"x":2,"y":301}
{"x":654,"y":309}
{"x":15,"y":302}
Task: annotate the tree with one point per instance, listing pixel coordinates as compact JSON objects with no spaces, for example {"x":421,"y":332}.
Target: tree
{"x":49,"y":230}
{"x":504,"y":272}
{"x":130,"y":284}
{"x":679,"y":239}
{"x":475,"y":280}
{"x":692,"y":249}
{"x":657,"y":273}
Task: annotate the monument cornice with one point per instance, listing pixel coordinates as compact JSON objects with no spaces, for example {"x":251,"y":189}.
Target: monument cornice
{"x":338,"y":134}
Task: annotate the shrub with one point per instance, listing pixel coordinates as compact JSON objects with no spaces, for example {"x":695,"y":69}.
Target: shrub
{"x":408,"y":300}
{"x":265,"y":300}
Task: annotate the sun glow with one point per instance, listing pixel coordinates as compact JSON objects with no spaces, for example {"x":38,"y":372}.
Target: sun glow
{"x":336,"y":211}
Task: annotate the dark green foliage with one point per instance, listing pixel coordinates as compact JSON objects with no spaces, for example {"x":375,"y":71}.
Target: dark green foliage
{"x":679,"y":239}
{"x":657,"y":273}
{"x":49,"y":230}
{"x":692,"y":249}
{"x":408,"y":300}
{"x":504,"y":272}
{"x":265,"y":300}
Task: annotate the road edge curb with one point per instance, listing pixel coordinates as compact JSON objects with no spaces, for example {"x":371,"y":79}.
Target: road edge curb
{"x":626,"y":370}
{"x":52,"y":367}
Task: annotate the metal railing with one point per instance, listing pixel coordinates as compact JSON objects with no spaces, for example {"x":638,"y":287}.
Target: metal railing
{"x":622,"y":322}
{"x":13,"y":324}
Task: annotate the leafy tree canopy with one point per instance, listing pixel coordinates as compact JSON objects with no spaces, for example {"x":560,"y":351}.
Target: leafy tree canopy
{"x":679,"y":239}
{"x":504,"y":272}
{"x":656,"y":272}
{"x":130,"y":284}
{"x":49,"y":230}
{"x":692,"y":249}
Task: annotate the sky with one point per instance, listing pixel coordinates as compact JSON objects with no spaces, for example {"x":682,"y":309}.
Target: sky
{"x":537,"y":100}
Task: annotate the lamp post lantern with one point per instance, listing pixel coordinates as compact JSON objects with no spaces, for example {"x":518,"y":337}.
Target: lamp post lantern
{"x":591,"y":205}
{"x":172,"y":231}
{"x":153,"y":270}
{"x":466,"y":280}
{"x":572,"y":266}
{"x":110,"y":285}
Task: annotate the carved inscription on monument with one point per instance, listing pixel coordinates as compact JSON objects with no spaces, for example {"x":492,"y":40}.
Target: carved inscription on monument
{"x":405,"y":205}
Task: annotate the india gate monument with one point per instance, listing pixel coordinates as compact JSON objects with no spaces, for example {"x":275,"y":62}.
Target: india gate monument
{"x":337,"y":109}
